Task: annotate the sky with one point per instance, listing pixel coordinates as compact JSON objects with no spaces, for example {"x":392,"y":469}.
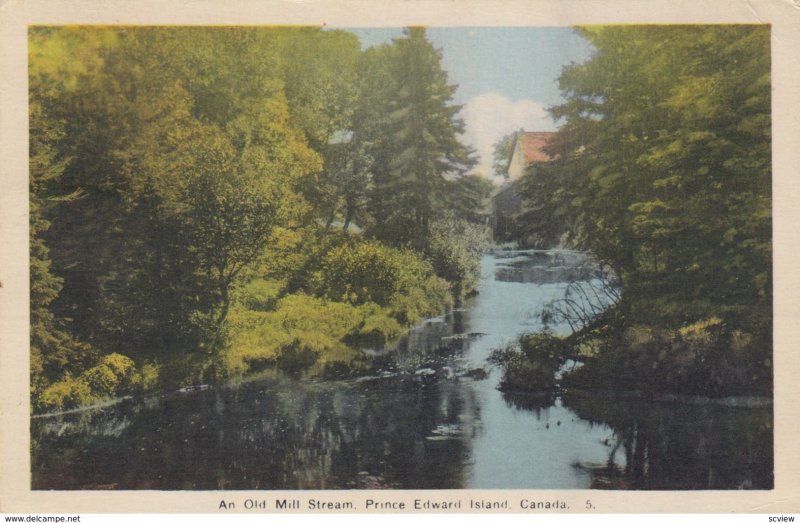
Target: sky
{"x":507,"y":77}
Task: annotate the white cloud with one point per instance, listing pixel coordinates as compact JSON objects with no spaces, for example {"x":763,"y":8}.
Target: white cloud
{"x":490,"y":116}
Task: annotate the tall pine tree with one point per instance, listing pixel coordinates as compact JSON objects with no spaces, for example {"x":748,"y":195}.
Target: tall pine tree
{"x":417,"y":143}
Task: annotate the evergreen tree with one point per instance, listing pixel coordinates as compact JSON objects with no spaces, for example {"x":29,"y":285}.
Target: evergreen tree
{"x":665,"y":163}
{"x":417,"y":144}
{"x":663,"y":171}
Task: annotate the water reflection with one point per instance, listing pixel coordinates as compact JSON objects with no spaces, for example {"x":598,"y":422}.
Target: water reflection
{"x":542,"y":267}
{"x":676,"y":445}
{"x":533,"y":402}
{"x":398,"y":432}
{"x":423,"y":414}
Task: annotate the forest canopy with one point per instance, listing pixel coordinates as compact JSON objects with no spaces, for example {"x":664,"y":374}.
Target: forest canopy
{"x":197,"y":193}
{"x":176,"y":171}
{"x":662,"y":169}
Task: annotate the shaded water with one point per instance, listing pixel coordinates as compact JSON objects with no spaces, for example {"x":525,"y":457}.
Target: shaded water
{"x":426,"y":415}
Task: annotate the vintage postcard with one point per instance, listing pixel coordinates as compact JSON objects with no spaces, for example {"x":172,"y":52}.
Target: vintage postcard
{"x":399,"y":257}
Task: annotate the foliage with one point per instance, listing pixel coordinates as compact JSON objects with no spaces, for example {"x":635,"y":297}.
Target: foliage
{"x":501,"y":154}
{"x":348,"y":177}
{"x":665,"y":161}
{"x":365,"y":293}
{"x":259,"y":295}
{"x":319,"y":70}
{"x":468,"y":198}
{"x":707,"y":357}
{"x":302,"y":330}
{"x":53,"y":350}
{"x":181,"y":173}
{"x":663,"y":172}
{"x":454,"y":249}
{"x":183,"y":168}
{"x":367,"y":271}
{"x":115,"y":375}
{"x":406,"y":116}
{"x":533,"y":366}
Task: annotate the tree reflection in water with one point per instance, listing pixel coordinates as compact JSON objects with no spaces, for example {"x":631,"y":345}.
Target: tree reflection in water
{"x":401,"y":432}
{"x":424,"y":414}
{"x":669,"y":446}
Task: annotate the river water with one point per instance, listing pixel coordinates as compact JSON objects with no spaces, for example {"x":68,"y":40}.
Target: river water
{"x":425,"y":415}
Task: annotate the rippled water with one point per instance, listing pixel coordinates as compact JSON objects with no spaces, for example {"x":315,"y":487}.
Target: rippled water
{"x":427,"y":414}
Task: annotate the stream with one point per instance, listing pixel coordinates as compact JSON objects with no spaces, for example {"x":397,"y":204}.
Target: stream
{"x":427,"y":414}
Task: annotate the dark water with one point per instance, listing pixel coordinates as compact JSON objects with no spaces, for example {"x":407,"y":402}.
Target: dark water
{"x":427,"y":415}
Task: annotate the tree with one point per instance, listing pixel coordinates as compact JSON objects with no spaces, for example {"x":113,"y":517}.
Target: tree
{"x":501,"y":154}
{"x":468,"y":198}
{"x":184,"y":164}
{"x":663,"y":171}
{"x":54,"y":351}
{"x":414,"y":135}
{"x":349,"y":174}
{"x":319,"y":72}
{"x":228,"y":199}
{"x":664,"y":161}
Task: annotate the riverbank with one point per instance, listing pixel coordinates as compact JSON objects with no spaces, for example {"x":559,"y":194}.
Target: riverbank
{"x":633,"y":352}
{"x":414,"y":415}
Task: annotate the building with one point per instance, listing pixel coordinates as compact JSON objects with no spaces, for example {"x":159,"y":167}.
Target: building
{"x":507,"y":205}
{"x":528,"y":149}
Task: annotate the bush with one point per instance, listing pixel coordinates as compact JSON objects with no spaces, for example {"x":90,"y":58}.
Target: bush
{"x":149,"y":373}
{"x":360,"y":293}
{"x":455,"y":248}
{"x":115,"y":375}
{"x":367,"y":271}
{"x":416,"y":304}
{"x":259,"y":294}
{"x":533,"y":367}
{"x":101,"y":380}
{"x":704,"y":358}
{"x":378,"y":329}
{"x":299,"y":324}
{"x":524,"y":374}
{"x":65,"y":394}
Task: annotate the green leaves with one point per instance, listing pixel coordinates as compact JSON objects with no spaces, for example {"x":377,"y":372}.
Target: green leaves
{"x":680,"y":146}
{"x":406,"y":116}
{"x":663,"y":171}
{"x":171,"y":165}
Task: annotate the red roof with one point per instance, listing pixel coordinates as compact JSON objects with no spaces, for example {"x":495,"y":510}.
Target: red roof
{"x":532,"y":144}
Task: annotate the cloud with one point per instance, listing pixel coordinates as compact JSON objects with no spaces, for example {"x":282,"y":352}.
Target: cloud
{"x":490,"y":116}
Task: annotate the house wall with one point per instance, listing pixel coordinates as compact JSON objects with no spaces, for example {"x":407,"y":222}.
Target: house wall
{"x":517,"y":163}
{"x":506,"y":204}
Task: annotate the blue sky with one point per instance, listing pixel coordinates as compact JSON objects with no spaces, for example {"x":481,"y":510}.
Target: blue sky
{"x":507,"y":76}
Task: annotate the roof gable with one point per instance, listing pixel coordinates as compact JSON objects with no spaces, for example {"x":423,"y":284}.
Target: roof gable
{"x":532,"y":145}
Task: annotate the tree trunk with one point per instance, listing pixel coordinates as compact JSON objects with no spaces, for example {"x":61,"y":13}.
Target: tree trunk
{"x":348,"y":218}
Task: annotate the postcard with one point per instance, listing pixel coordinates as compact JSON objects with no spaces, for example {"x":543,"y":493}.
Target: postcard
{"x":416,"y":257}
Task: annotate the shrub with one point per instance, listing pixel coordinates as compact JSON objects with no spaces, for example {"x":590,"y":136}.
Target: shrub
{"x":522,"y":373}
{"x":414,"y":305}
{"x":455,"y":248}
{"x":259,"y":294}
{"x":299,"y":324}
{"x":703,"y":357}
{"x":149,"y":373}
{"x":101,"y":380}
{"x":65,"y":394}
{"x":363,"y":293}
{"x":533,"y":367}
{"x":368,"y":271}
{"x":379,"y":328}
{"x":113,"y":376}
